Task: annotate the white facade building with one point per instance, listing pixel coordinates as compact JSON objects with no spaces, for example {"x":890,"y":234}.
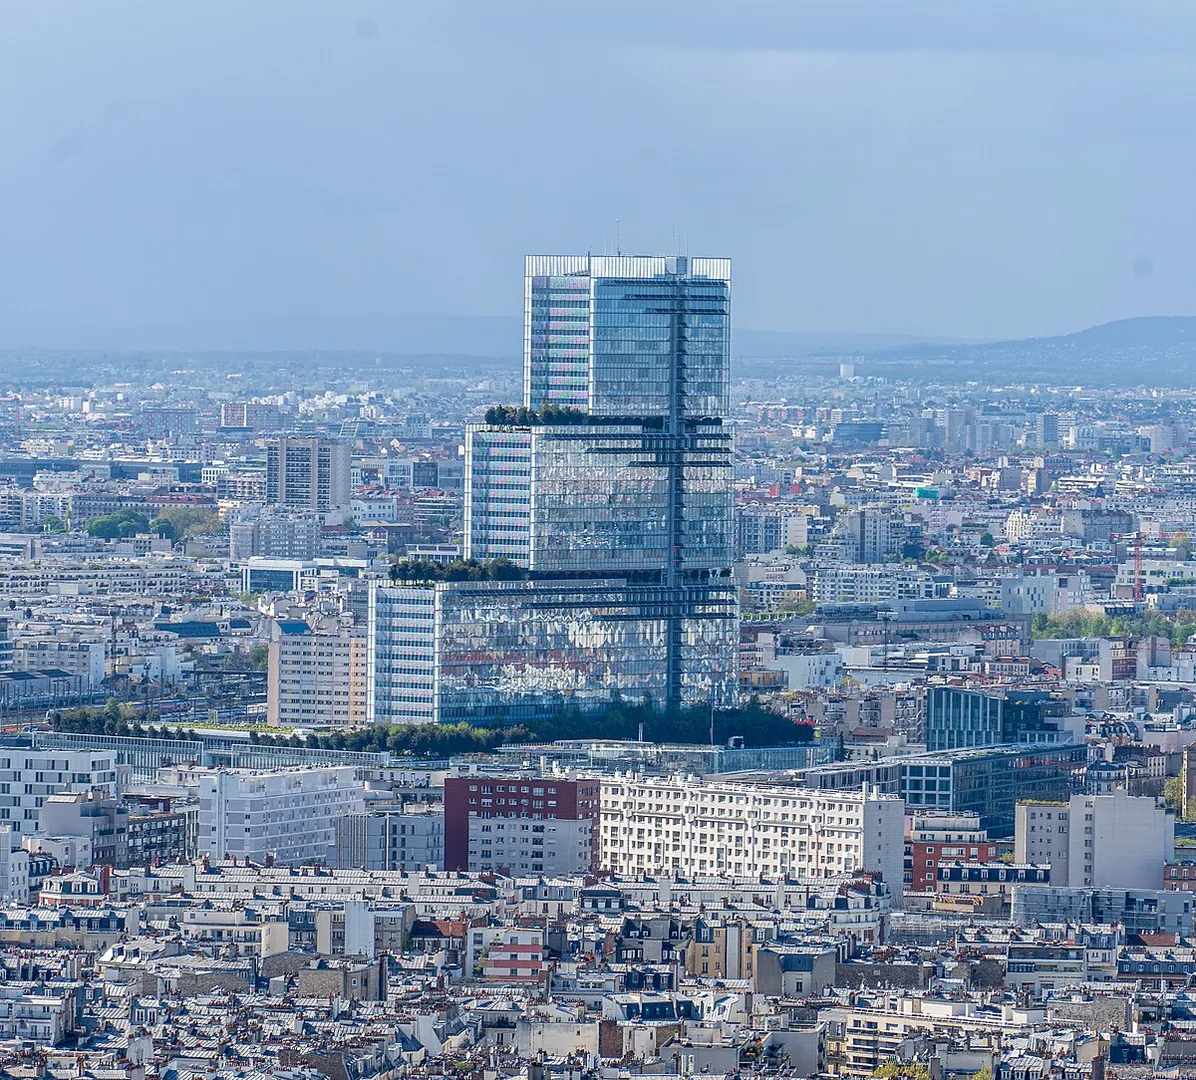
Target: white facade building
{"x":657,"y":825}
{"x":81,"y":657}
{"x":1103,"y":841}
{"x":29,"y":777}
{"x":403,"y":839}
{"x":875,"y":585}
{"x":290,"y":815}
{"x":1050,"y":593}
{"x":808,"y":669}
{"x":14,"y":868}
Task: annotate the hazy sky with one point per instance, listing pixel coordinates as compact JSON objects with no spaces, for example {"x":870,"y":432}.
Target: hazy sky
{"x":961,"y":167}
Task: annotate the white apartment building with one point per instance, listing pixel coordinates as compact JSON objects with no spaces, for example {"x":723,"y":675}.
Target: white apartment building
{"x":151,"y":575}
{"x":874,"y":585}
{"x":1031,"y":524}
{"x":14,"y":868}
{"x":400,"y":839}
{"x":29,"y":777}
{"x":1115,"y":841}
{"x":1050,"y":593}
{"x":807,"y":669}
{"x":658,"y":825}
{"x":290,"y":815}
{"x":317,"y":679}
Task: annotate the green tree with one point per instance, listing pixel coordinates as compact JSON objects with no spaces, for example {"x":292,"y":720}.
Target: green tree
{"x":901,"y":1070}
{"x":52,"y":523}
{"x":426,"y":570}
{"x":121,"y":524}
{"x":259,"y":656}
{"x":163,"y":527}
{"x":1173,"y":795}
{"x":187,"y":522}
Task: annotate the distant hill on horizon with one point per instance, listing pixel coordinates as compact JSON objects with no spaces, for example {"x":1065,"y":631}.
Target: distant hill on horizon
{"x":1138,"y":332}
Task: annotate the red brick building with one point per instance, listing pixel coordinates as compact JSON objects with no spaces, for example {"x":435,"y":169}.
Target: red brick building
{"x":932,"y":838}
{"x":521,"y":824}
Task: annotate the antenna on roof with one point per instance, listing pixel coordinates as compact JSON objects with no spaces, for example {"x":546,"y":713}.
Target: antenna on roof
{"x":618,"y":249}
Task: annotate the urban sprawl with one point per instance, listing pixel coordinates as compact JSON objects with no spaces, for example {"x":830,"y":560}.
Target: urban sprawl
{"x":623,"y":712}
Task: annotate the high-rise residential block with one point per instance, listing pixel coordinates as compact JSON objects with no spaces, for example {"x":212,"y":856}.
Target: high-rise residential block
{"x":289,"y":816}
{"x":28,"y":777}
{"x":317,"y":679}
{"x":309,"y":473}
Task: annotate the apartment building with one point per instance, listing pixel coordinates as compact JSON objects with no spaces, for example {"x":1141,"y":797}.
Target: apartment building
{"x":29,"y":777}
{"x":80,"y":658}
{"x":308,"y":473}
{"x":933,"y":837}
{"x":681,"y":824}
{"x":408,"y":838}
{"x":524,"y":824}
{"x":289,"y":815}
{"x":316,"y":678}
{"x":1117,"y":840}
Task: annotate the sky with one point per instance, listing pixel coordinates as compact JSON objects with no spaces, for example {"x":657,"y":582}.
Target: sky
{"x":946,"y":168}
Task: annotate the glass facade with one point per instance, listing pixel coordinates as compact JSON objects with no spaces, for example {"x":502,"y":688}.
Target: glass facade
{"x":557,"y":340}
{"x":628,"y":335}
{"x":956,"y":719}
{"x":505,"y":651}
{"x":960,"y":719}
{"x":991,"y":782}
{"x":623,"y":518}
{"x":660,"y":345}
{"x":498,"y":491}
{"x":597,"y":498}
{"x":401,"y":665}
{"x":517,"y":650}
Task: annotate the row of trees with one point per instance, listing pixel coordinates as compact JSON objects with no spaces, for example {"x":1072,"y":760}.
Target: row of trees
{"x":522,"y":416}
{"x":457,"y":570}
{"x":620,"y":720}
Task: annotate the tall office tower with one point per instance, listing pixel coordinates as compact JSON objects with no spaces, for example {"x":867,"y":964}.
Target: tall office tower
{"x":308,"y":473}
{"x":628,"y":335}
{"x":641,"y":481}
{"x":612,"y":489}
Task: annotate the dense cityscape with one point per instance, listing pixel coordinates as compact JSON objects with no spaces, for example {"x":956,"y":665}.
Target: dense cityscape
{"x":548,"y":541}
{"x":631,"y":710}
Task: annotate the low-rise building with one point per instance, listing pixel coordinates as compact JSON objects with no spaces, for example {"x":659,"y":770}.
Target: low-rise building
{"x":654,"y":825}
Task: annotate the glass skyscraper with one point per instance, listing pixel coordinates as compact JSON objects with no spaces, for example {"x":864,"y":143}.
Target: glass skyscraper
{"x":612,"y":488}
{"x":628,"y":335}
